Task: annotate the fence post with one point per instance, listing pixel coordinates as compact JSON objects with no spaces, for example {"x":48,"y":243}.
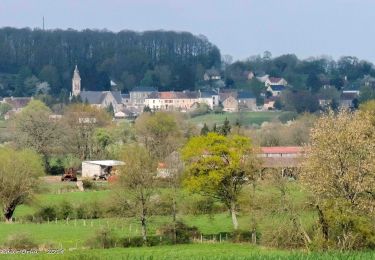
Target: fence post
{"x":201,"y":238}
{"x":220,"y":237}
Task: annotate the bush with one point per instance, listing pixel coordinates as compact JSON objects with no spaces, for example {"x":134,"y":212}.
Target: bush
{"x":184,"y":233}
{"x":65,"y":210}
{"x":89,"y":184}
{"x":131,"y":242}
{"x":20,"y":241}
{"x":47,"y":213}
{"x":103,"y":238}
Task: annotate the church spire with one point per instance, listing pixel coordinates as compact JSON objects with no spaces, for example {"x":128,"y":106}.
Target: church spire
{"x":76,"y":82}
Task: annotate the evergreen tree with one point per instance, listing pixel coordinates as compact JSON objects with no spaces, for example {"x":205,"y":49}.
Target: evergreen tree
{"x":214,"y":128}
{"x":225,"y":129}
{"x":205,"y":130}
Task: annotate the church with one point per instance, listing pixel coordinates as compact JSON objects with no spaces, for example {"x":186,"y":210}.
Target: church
{"x":101,"y":99}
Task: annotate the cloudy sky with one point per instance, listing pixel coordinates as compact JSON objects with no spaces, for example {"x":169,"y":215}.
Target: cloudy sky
{"x":240,"y":28}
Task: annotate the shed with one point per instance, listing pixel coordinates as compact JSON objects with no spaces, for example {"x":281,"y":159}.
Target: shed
{"x":99,"y":169}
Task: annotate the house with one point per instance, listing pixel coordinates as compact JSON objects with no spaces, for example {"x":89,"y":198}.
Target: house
{"x":172,"y":101}
{"x":210,"y":98}
{"x":272,"y":81}
{"x":276,"y":90}
{"x":249,"y":75}
{"x":103,"y":99}
{"x":262,"y":77}
{"x":246,"y":101}
{"x":230,"y":104}
{"x":125,"y":100}
{"x":285,"y":158}
{"x":138,"y":95}
{"x":269,"y":103}
{"x":99,"y":169}
{"x":349,"y":99}
{"x":211,"y":74}
{"x":16,"y":104}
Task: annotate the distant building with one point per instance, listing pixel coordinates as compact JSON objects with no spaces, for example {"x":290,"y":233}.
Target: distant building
{"x":246,"y":101}
{"x":276,"y":90}
{"x":16,"y":104}
{"x":349,"y":99}
{"x":103,"y":99}
{"x":211,"y":74}
{"x":230,"y":104}
{"x":138,"y":95}
{"x":76,"y":83}
{"x":272,"y":81}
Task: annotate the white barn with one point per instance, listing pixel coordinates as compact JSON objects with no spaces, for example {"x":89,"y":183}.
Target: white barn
{"x":95,"y":169}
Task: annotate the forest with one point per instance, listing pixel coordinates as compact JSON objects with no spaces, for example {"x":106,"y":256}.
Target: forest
{"x":33,"y":61}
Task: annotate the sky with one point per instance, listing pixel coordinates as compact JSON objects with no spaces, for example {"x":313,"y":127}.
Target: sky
{"x":240,"y":28}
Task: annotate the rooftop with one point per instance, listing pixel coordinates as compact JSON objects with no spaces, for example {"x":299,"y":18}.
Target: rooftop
{"x":106,"y":162}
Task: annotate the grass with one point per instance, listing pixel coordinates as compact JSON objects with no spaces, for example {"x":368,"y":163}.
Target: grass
{"x":245,"y":118}
{"x":196,"y":251}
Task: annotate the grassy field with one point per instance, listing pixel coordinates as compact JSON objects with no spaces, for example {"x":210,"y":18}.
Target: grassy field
{"x":195,"y":251}
{"x":245,"y":118}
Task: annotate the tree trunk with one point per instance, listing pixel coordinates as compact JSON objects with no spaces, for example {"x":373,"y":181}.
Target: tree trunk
{"x":323,"y":223}
{"x":174,"y":213}
{"x":234,"y":216}
{"x":8,"y":213}
{"x":144,"y":230}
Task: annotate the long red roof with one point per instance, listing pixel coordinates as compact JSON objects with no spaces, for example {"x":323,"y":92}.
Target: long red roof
{"x":282,"y":149}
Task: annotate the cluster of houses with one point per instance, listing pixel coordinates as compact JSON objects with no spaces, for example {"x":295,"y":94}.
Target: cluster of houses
{"x":134,"y":103}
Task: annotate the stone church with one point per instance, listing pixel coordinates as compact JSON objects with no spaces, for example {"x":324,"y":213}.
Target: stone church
{"x":102,"y":99}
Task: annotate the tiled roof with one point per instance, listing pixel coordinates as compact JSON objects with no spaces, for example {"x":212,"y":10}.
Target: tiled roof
{"x":274,"y":80}
{"x":282,"y":149}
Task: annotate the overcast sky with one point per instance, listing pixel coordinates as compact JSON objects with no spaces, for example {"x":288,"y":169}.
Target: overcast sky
{"x":240,"y":28}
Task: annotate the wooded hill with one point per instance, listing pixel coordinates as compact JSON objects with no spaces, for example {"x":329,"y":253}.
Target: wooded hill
{"x":164,"y":59}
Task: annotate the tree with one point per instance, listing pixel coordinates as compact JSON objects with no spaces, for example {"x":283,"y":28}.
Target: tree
{"x":79,"y":123}
{"x":19,"y":172}
{"x":225,"y":128}
{"x":205,"y":130}
{"x":218,"y":166}
{"x":137,"y":180}
{"x":159,"y":132}
{"x":33,"y":129}
{"x":339,"y":171}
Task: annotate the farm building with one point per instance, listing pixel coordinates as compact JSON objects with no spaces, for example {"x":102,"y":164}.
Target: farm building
{"x":99,"y":169}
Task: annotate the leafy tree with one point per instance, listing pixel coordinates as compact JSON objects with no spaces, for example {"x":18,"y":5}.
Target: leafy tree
{"x":33,"y":129}
{"x":19,"y":174}
{"x":79,"y":124}
{"x":218,"y":166}
{"x":339,"y":171}
{"x":159,"y":132}
{"x":137,"y":183}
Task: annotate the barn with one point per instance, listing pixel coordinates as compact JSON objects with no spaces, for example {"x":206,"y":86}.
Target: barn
{"x":99,"y":169}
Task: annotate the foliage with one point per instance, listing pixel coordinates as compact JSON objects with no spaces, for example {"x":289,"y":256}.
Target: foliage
{"x":19,"y":174}
{"x":127,"y":57}
{"x":34,"y":130}
{"x":339,"y":170}
{"x":159,"y":132}
{"x":79,"y":123}
{"x":20,"y":241}
{"x":136,"y":183}
{"x":184,"y":233}
{"x":219,"y":166}
{"x":103,"y":238}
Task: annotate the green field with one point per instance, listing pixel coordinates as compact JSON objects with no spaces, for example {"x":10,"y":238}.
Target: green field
{"x":245,"y":118}
{"x":196,"y":251}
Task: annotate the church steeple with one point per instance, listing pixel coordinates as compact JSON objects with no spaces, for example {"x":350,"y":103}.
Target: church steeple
{"x":76,"y":82}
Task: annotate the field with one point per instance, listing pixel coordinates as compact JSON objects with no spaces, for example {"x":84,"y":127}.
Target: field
{"x":195,"y":251}
{"x":72,"y":234}
{"x":245,"y":118}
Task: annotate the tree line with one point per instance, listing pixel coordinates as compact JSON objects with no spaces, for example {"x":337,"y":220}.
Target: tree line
{"x":33,"y":61}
